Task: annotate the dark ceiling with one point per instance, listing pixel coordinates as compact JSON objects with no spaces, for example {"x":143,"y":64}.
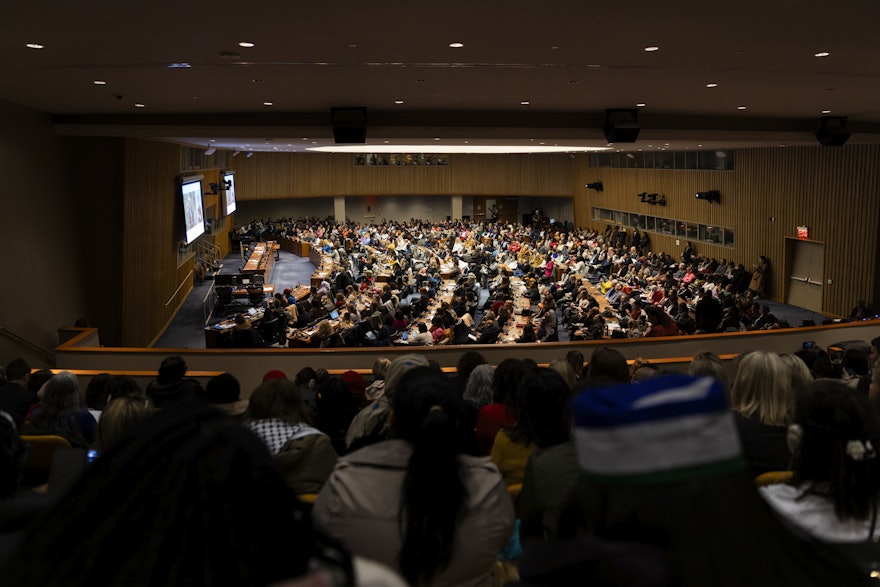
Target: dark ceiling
{"x":570,"y":60}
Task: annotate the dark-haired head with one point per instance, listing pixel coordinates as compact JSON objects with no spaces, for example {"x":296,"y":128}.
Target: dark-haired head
{"x":277,"y":398}
{"x":190,"y":482}
{"x":543,"y":419}
{"x":172,"y":369}
{"x":467,"y":362}
{"x":836,"y":438}
{"x":607,"y":364}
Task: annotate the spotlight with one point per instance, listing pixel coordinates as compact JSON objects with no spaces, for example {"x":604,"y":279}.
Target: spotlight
{"x":210,"y":151}
{"x":621,"y":125}
{"x":833,"y":131}
{"x":596,"y":185}
{"x":710,"y":196}
{"x":250,"y":154}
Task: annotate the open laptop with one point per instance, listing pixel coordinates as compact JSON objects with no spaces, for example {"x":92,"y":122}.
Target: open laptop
{"x":334,"y":315}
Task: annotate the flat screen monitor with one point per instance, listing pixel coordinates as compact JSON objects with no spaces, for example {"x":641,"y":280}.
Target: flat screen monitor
{"x":229,"y":190}
{"x":193,"y":212}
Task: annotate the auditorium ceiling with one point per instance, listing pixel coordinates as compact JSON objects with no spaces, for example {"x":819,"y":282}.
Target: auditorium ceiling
{"x":263,"y":75}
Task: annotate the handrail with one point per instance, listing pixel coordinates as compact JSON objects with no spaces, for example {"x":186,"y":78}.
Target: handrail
{"x":25,"y":342}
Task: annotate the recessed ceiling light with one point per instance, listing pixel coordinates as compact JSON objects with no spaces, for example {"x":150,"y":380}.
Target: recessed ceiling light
{"x":554,"y":47}
{"x":256,"y":81}
{"x":712,"y":85}
{"x":99,"y":82}
{"x":35,"y":46}
{"x":267,"y":103}
{"x":246,"y":44}
{"x":641,"y":104}
{"x":699,"y":145}
{"x":652,"y":49}
{"x":524,"y":103}
{"x":398,"y":101}
{"x":823,"y":54}
{"x":826,"y":112}
{"x":740,"y":107}
{"x":212,"y":140}
{"x":386,"y":142}
{"x":573,"y":81}
{"x":139,"y":105}
{"x":181,"y":65}
{"x":456,"y":45}
{"x":436,"y":138}
{"x":352,"y":45}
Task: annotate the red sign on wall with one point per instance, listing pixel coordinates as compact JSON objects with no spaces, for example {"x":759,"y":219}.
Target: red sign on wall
{"x":803,"y":232}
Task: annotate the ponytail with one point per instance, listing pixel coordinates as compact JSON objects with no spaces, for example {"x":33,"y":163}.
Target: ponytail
{"x":433,"y":492}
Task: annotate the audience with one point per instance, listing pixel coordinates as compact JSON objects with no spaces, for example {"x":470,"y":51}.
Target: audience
{"x":664,"y":498}
{"x":15,"y":397}
{"x":192,"y":498}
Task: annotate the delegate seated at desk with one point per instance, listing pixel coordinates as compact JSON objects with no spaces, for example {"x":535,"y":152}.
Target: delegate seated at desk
{"x":244,"y":335}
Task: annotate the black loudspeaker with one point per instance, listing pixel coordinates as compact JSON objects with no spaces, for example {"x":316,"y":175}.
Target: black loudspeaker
{"x":622,"y":125}
{"x":833,"y":131}
{"x":349,"y":125}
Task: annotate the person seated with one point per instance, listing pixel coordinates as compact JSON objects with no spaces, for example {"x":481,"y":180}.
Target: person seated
{"x":174,"y":483}
{"x":423,"y":338}
{"x":650,"y":455}
{"x":15,"y":397}
{"x":62,"y":412}
{"x":304,"y":455}
{"x":244,"y":335}
{"x":861,"y":311}
{"x":412,"y":501}
{"x":762,"y":400}
{"x":834,"y":492}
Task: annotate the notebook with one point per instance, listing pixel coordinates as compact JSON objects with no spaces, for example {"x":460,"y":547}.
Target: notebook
{"x":334,"y":315}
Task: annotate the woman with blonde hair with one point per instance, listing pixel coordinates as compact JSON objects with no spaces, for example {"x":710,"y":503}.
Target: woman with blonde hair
{"x":763,"y":402}
{"x":118,"y":417}
{"x":800,"y":373}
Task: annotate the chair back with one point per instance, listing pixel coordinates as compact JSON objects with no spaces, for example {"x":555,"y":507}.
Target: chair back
{"x":40,"y":449}
{"x":773,"y":477}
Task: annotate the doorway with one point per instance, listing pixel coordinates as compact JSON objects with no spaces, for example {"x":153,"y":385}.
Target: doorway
{"x":805,"y":273}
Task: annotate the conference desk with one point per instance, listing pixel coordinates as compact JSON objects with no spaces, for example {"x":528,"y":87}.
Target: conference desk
{"x":219,"y":335}
{"x":262,"y":259}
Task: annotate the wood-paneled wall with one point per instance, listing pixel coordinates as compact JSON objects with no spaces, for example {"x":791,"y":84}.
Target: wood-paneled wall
{"x":267,"y":176}
{"x":834,"y":191}
{"x":153,"y":286}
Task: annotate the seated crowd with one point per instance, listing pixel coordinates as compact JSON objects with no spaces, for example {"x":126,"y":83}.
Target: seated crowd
{"x":595,"y":472}
{"x":439,"y":281}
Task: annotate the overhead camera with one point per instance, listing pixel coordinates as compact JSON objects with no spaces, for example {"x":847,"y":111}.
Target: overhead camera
{"x":596,"y":185}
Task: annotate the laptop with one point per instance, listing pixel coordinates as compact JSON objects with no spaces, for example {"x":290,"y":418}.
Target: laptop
{"x":334,"y":315}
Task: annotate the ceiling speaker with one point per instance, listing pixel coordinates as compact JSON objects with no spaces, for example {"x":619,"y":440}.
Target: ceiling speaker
{"x":349,"y":125}
{"x":833,"y":131}
{"x":622,"y":125}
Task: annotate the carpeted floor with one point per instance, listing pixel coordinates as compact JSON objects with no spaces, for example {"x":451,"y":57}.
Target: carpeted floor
{"x":187,"y":328}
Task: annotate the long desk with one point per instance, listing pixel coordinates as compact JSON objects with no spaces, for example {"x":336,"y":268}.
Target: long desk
{"x":262,"y":259}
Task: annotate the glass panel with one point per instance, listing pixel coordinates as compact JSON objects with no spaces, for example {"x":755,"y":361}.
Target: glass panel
{"x":619,"y":217}
{"x":638,"y":221}
{"x":681,"y":229}
{"x":693,"y":231}
{"x":664,"y":160}
{"x":728,"y":237}
{"x":665,"y":226}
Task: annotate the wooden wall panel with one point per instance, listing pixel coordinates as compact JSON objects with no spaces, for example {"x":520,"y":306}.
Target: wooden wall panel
{"x":150,"y":273}
{"x":835,"y":192}
{"x":267,"y":176}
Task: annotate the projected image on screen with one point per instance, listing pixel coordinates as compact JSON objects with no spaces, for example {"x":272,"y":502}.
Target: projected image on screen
{"x":229,"y":181}
{"x":192,"y":210}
